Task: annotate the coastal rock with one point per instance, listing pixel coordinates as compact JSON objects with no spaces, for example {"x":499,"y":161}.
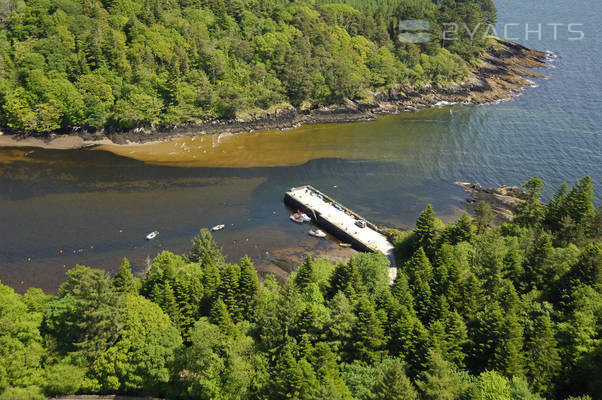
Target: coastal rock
{"x":504,"y":200}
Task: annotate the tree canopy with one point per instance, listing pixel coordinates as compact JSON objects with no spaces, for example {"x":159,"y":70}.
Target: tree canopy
{"x":488,"y":312}
{"x":121,"y":64}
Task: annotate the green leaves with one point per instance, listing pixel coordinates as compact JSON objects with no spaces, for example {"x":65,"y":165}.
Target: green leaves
{"x":121,"y":64}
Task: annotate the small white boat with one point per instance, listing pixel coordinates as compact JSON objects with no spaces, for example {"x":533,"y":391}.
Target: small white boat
{"x":152,"y":235}
{"x":218,"y":227}
{"x":317,"y":233}
{"x":296,"y":218}
{"x":300,"y":217}
{"x":344,"y":244}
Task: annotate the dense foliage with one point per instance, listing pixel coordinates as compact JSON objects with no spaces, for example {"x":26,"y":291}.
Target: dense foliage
{"x":476,"y":312}
{"x":119,"y":64}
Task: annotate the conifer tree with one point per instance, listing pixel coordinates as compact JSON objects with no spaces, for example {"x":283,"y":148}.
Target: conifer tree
{"x":401,"y":290}
{"x":457,"y":338}
{"x":205,"y":250}
{"x":580,"y":201}
{"x":509,"y":357}
{"x":543,"y":360}
{"x":293,"y":379}
{"x":471,"y":297}
{"x":596,"y":226}
{"x":340,"y":328}
{"x":531,"y":210}
{"x":425,"y":230}
{"x":556,"y":209}
{"x":211,"y":282}
{"x":423,"y":301}
{"x":306,"y":273}
{"x":484,"y":216}
{"x":347,"y":279}
{"x":248,"y":287}
{"x":124,"y":281}
{"x":306,"y":321}
{"x":368,"y":333}
{"x":419,"y":267}
{"x":462,"y":230}
{"x":538,"y":269}
{"x":588,"y":269}
{"x":439,"y":382}
{"x":186,"y":308}
{"x":168,"y":303}
{"x":393,"y":383}
{"x":221,"y":317}
{"x":228,"y":289}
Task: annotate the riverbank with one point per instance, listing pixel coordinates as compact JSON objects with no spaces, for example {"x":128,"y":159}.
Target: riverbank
{"x":503,"y":74}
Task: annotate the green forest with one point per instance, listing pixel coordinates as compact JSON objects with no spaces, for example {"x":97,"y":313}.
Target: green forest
{"x":476,"y":312}
{"x":71,"y":65}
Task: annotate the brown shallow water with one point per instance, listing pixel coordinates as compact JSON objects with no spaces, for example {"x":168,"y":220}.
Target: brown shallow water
{"x":284,"y":148}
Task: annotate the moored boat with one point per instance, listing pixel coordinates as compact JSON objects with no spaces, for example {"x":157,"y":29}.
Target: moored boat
{"x":345,"y":244}
{"x":152,"y":235}
{"x":297,"y":218}
{"x":317,"y":233}
{"x":218,"y":227}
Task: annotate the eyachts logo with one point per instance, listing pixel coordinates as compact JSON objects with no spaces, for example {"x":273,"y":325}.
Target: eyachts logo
{"x":414,"y":31}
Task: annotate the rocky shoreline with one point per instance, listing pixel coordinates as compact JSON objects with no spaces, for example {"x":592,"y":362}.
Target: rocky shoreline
{"x":501,"y":76}
{"x":504,"y":200}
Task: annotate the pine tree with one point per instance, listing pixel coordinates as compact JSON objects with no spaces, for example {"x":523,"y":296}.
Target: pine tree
{"x":588,"y":269}
{"x":439,"y":382}
{"x":457,"y":338}
{"x":423,"y":301}
{"x":347,"y":279}
{"x":124,"y":281}
{"x":543,"y":360}
{"x":182,"y":289}
{"x":462,"y":230}
{"x":393,"y":383}
{"x":596,"y":226}
{"x":340,"y":328}
{"x":471,"y":297}
{"x":368,"y":333}
{"x":509,"y":358}
{"x":221,"y":317}
{"x":168,"y":303}
{"x":293,"y":379}
{"x":410,"y":340}
{"x":484,"y":216}
{"x":205,"y":250}
{"x":306,"y":273}
{"x":306,"y":321}
{"x":401,"y":291}
{"x":425,"y":230}
{"x":228,"y":289}
{"x":538,"y":268}
{"x":531,"y":210}
{"x":580,"y":201}
{"x":419,"y":267}
{"x":556,"y":209}
{"x":248,"y":287}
